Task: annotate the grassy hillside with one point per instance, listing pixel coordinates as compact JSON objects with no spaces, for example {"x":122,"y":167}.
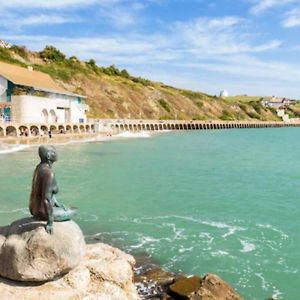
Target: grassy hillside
{"x":113,"y":93}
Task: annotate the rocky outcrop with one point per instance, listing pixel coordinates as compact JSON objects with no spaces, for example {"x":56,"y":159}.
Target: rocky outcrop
{"x":210,"y":287}
{"x":105,"y":273}
{"x":29,"y":253}
{"x":161,"y":285}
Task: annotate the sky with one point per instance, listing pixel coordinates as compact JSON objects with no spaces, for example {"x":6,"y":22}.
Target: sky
{"x":244,"y":46}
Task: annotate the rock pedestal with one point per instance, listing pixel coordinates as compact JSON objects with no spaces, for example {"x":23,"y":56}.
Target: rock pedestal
{"x":37,"y":265}
{"x":29,"y":253}
{"x":105,"y":273}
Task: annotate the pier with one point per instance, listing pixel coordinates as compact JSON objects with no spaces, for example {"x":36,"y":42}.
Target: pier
{"x":112,"y":125}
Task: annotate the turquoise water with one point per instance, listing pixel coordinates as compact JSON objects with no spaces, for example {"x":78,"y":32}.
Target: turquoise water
{"x":224,"y":201}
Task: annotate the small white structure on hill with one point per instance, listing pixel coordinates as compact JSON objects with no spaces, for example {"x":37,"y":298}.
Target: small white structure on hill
{"x":28,"y":96}
{"x":224,"y":94}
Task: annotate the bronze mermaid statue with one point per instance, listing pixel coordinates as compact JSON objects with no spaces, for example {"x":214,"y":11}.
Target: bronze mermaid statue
{"x":43,"y":203}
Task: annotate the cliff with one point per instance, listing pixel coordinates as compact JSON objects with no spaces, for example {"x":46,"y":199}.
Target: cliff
{"x":113,"y":93}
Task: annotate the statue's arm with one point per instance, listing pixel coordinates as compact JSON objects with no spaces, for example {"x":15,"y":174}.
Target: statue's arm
{"x":49,"y":201}
{"x":49,"y":226}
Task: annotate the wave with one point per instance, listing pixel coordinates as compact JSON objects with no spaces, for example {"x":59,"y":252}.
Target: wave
{"x":6,"y":148}
{"x":219,"y":253}
{"x":283,"y":235}
{"x":128,"y":134}
{"x":247,"y":247}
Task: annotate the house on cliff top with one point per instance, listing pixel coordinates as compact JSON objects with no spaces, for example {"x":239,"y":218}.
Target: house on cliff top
{"x":277,"y":103}
{"x":28,"y":96}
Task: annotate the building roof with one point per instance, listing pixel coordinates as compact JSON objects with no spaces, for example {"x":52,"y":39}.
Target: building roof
{"x":26,"y":77}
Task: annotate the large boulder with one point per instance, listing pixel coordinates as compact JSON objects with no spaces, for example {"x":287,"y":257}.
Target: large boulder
{"x":210,"y":287}
{"x":105,"y":273}
{"x":29,"y":253}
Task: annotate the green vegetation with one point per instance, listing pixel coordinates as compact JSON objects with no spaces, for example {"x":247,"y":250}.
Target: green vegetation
{"x":163,"y":103}
{"x":199,"y":117}
{"x":199,"y":104}
{"x":227,"y":116}
{"x":242,"y":98}
{"x":257,"y":106}
{"x":5,"y":56}
{"x":165,"y":118}
{"x":20,"y":50}
{"x":50,"y":53}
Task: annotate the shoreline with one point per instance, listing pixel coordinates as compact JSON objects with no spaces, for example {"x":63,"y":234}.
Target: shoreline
{"x":16,"y":144}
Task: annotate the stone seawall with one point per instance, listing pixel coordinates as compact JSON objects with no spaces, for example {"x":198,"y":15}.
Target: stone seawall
{"x":106,"y":125}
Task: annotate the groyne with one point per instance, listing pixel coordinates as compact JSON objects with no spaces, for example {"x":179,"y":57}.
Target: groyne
{"x":113,"y":125}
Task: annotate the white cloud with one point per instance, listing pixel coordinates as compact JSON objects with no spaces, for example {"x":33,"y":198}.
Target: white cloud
{"x":122,"y":15}
{"x":292,"y":18}
{"x":263,"y":5}
{"x":218,"y":36}
{"x":54,"y":4}
{"x":44,"y":20}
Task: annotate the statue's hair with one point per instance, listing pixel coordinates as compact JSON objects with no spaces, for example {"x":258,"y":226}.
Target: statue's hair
{"x":43,"y":151}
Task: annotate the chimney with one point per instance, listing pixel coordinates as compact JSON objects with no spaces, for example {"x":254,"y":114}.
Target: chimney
{"x":30,"y":68}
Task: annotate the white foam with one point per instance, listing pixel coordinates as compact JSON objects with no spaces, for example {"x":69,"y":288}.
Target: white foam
{"x":231,"y":229}
{"x":129,"y":134}
{"x":276,"y":294}
{"x":247,"y":247}
{"x":5,"y":148}
{"x":264,"y":284}
{"x":183,"y":249}
{"x":144,"y":240}
{"x":283,"y":235}
{"x":85,"y":217}
{"x":220,"y":253}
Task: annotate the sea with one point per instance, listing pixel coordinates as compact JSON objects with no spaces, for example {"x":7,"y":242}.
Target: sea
{"x":216,"y":201}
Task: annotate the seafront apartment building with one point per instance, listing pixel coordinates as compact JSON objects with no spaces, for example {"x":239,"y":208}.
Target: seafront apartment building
{"x":28,"y":96}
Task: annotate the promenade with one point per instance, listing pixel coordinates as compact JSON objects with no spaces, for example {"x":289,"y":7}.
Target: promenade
{"x":13,"y":129}
{"x":114,"y":125}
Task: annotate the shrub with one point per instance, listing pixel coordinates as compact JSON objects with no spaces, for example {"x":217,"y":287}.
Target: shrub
{"x":5,"y":56}
{"x":190,"y":94}
{"x":257,"y":106}
{"x":141,"y":80}
{"x":199,"y":104}
{"x":243,"y":107}
{"x":50,"y":53}
{"x":253,"y":115}
{"x":124,"y":73}
{"x":226,"y":116}
{"x":164,"y":104}
{"x":74,"y":59}
{"x":20,"y":50}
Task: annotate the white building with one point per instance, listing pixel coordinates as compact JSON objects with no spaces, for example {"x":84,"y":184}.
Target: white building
{"x":28,"y":96}
{"x":224,"y":94}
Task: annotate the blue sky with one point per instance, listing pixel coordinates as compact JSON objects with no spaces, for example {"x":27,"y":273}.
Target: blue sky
{"x":245,"y":46}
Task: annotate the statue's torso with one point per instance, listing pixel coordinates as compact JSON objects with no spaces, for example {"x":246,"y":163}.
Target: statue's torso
{"x":43,"y":187}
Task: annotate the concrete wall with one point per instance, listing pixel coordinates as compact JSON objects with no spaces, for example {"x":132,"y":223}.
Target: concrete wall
{"x":77,"y":112}
{"x":3,"y":88}
{"x":33,"y":109}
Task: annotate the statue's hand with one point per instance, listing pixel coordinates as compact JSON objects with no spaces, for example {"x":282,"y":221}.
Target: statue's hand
{"x":63,"y":207}
{"x":49,"y":228}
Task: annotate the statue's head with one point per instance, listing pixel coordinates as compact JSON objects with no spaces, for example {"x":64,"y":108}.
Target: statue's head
{"x":47,"y":153}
